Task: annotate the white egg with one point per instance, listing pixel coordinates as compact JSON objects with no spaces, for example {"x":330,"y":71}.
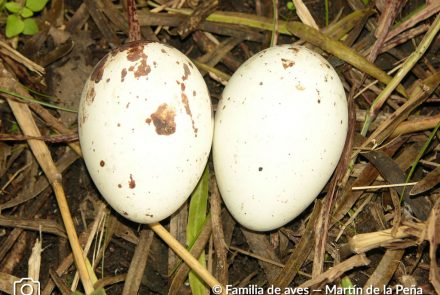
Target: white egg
{"x":280,"y":128}
{"x":145,"y":128}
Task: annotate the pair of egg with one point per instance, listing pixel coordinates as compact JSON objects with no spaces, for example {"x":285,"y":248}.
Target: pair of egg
{"x":146,"y":127}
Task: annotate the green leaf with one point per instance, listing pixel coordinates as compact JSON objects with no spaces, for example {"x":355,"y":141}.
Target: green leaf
{"x":290,"y":6}
{"x":348,"y":286}
{"x":99,"y":291}
{"x":196,"y":218}
{"x":36,"y":5}
{"x":13,"y":7}
{"x":197,"y":208}
{"x":26,"y":12}
{"x":14,"y":25}
{"x":197,"y":285}
{"x":30,"y":27}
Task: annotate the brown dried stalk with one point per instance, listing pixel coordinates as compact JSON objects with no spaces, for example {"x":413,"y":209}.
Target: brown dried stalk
{"x":41,"y":152}
{"x":198,"y":16}
{"x":337,"y":270}
{"x":138,"y":263}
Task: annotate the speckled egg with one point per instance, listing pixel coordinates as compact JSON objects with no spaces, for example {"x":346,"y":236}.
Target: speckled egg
{"x":145,"y":128}
{"x":280,"y":128}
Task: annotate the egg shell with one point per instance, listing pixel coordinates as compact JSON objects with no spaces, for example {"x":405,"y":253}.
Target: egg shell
{"x":145,"y":128}
{"x":280,"y":128}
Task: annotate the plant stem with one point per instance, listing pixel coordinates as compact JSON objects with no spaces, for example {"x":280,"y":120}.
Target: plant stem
{"x":407,"y":66}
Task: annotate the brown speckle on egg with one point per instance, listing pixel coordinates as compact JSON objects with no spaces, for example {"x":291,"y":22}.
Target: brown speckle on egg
{"x":186,"y":72}
{"x":131,"y":182}
{"x":90,"y":97}
{"x":287,"y":63}
{"x":136,"y":52}
{"x":143,"y":69}
{"x":123,"y":74}
{"x":163,"y":120}
{"x":102,"y":163}
{"x":188,"y":112}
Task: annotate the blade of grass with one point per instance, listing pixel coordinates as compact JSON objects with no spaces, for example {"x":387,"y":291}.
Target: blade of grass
{"x":41,"y":152}
{"x":326,"y":12}
{"x":196,"y":218}
{"x":274,"y":37}
{"x":341,"y":51}
{"x":407,"y":66}
{"x":260,"y":22}
{"x":33,"y":100}
{"x":421,"y":153}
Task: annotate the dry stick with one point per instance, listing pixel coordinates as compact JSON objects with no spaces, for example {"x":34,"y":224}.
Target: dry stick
{"x":362,"y":243}
{"x":134,"y":29}
{"x":177,"y":228}
{"x":196,"y":250}
{"x":304,"y":14}
{"x":41,"y":152}
{"x":385,"y":270}
{"x":138,"y":263}
{"x":341,"y":51}
{"x":337,"y":270}
{"x":407,"y":66}
{"x":301,"y":251}
{"x":259,"y":244}
{"x":427,"y":12}
{"x":384,"y":23}
{"x":59,"y":283}
{"x":420,"y":91}
{"x":433,"y":228}
{"x":218,"y":234}
{"x":197,"y":16}
{"x":157,"y":227}
{"x":419,"y":124}
{"x":56,"y":125}
{"x":185,"y":255}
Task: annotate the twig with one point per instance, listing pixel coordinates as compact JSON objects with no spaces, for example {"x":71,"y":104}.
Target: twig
{"x":341,"y":51}
{"x":18,"y":57}
{"x":258,"y":257}
{"x":407,"y":66}
{"x":336,"y":271}
{"x":138,"y":263}
{"x":197,"y":16}
{"x":134,"y":29}
{"x":370,"y":187}
{"x":274,"y":38}
{"x":24,"y":118}
{"x":304,"y":14}
{"x":187,"y":257}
